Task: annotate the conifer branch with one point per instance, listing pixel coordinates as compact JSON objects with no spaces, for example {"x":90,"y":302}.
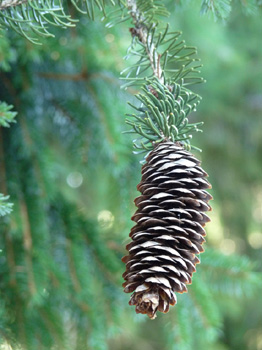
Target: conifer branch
{"x":160,"y":54}
{"x":231,"y":275}
{"x":141,"y":32}
{"x":163,"y":115}
{"x":165,"y":67}
{"x":221,"y":9}
{"x":5,"y":207}
{"x":6,"y":115}
{"x":32,"y":18}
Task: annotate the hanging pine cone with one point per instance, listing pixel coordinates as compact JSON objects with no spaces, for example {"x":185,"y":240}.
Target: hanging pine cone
{"x":169,"y":228}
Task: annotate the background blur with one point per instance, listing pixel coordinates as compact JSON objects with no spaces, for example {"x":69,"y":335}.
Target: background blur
{"x":72,"y":177}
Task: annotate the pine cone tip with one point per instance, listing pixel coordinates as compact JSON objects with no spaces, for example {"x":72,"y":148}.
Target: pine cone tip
{"x":146,"y":302}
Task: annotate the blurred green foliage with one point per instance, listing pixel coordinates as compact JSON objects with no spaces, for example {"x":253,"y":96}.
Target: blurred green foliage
{"x":72,"y":177}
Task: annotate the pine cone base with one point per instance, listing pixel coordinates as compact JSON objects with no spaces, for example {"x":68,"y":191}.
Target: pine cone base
{"x":169,"y":229}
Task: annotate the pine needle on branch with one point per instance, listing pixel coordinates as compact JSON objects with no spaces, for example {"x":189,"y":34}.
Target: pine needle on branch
{"x":5,"y":207}
{"x":6,"y":115}
{"x":163,"y":115}
{"x":32,"y":18}
{"x":165,"y":68}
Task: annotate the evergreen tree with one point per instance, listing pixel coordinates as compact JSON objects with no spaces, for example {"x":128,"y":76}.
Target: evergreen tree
{"x":71,"y":176}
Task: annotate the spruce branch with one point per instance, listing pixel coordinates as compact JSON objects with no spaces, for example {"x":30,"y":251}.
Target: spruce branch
{"x":220,"y":9}
{"x":145,"y":37}
{"x":5,"y":207}
{"x":165,"y":68}
{"x":32,"y":18}
{"x":6,"y":115}
{"x":163,"y":115}
{"x":160,"y":52}
{"x":6,"y":118}
{"x":232,"y":275}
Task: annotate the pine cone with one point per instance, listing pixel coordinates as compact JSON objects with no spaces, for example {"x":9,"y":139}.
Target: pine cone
{"x":169,"y":228}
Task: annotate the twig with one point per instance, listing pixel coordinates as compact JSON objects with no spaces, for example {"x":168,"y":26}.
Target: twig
{"x":11,"y":3}
{"x":141,"y":32}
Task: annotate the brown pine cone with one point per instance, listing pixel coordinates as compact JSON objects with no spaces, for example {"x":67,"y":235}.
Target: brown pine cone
{"x":169,"y":228}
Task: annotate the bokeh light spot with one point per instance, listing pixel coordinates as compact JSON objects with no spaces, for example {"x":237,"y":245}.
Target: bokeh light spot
{"x":55,"y":55}
{"x":227,"y":246}
{"x":63,"y":41}
{"x":255,"y":240}
{"x":105,"y":219}
{"x":74,"y":179}
{"x":110,"y":38}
